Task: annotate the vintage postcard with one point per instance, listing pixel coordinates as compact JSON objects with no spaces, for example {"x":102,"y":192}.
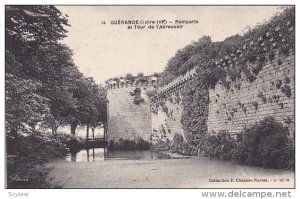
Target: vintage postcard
{"x":156,"y":96}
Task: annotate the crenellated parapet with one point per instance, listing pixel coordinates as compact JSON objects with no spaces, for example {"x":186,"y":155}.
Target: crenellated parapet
{"x":177,"y":84}
{"x":145,"y":81}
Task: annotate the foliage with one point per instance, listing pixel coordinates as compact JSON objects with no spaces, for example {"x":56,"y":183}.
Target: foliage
{"x":138,"y":100}
{"x":195,"y":100}
{"x":176,"y":67}
{"x":287,"y":156}
{"x":151,"y":93}
{"x":220,"y":146}
{"x":129,"y":144}
{"x":41,"y":69}
{"x":161,"y":145}
{"x":265,"y":144}
{"x":129,"y":77}
{"x":286,"y":90}
{"x":43,"y":87}
{"x":137,"y":96}
{"x":140,"y":75}
{"x":139,"y":78}
{"x":177,"y":145}
{"x":178,"y":138}
{"x":30,"y":35}
{"x":24,"y":105}
{"x":26,"y":164}
{"x":155,"y":74}
{"x":233,"y":55}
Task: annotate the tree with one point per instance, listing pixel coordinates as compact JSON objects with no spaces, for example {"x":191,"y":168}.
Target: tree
{"x":129,"y":76}
{"x":33,"y":26}
{"x":177,"y":65}
{"x":29,"y":31}
{"x":23,"y":106}
{"x":140,"y":75}
{"x":41,"y":75}
{"x":90,"y":107}
{"x":100,"y":113}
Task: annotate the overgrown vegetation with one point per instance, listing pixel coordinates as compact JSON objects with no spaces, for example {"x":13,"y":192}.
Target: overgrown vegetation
{"x":258,"y":46}
{"x":27,"y":157}
{"x":151,"y":93}
{"x":266,"y":144}
{"x":195,"y":111}
{"x":129,"y":144}
{"x":177,"y":145}
{"x":220,"y":146}
{"x":139,"y":78}
{"x":137,"y":96}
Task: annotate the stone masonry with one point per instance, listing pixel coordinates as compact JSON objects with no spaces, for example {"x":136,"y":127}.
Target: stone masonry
{"x":232,"y":110}
{"x":272,"y":93}
{"x":126,"y":119}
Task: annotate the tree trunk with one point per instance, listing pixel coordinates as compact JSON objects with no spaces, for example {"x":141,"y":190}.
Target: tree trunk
{"x":53,"y":130}
{"x":87,"y":131}
{"x":88,"y":155}
{"x":105,"y":131}
{"x":93,"y":131}
{"x":73,"y":127}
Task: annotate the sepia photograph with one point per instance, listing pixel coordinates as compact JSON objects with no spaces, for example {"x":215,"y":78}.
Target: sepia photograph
{"x":149,"y":96}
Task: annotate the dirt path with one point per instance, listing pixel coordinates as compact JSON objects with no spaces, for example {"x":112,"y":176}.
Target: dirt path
{"x":195,"y":172}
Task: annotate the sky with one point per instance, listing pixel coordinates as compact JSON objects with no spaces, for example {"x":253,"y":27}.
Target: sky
{"x":104,"y":51}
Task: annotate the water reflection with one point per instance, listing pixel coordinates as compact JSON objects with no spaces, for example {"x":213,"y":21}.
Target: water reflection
{"x":88,"y":155}
{"x":101,"y":154}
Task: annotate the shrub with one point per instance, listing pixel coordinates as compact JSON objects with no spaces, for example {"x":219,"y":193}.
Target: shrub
{"x":177,"y":142}
{"x":142,"y":144}
{"x":220,"y":146}
{"x":137,"y":96}
{"x":178,"y":139}
{"x":140,"y":75}
{"x":111,"y":144}
{"x":151,"y":93}
{"x":138,"y":100}
{"x":186,"y":149}
{"x":286,"y":158}
{"x":177,"y":145}
{"x":129,"y":144}
{"x":265,"y":144}
{"x":129,"y":76}
{"x":74,"y":143}
{"x":286,"y":90}
{"x":27,"y":157}
{"x":162,"y":146}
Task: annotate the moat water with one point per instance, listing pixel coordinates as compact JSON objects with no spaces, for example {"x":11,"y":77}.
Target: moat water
{"x":102,"y":154}
{"x":99,"y":168}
